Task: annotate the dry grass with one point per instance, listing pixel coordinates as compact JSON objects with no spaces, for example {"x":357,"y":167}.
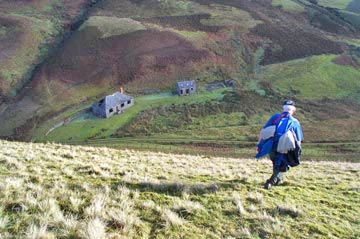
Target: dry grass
{"x":59,"y":191}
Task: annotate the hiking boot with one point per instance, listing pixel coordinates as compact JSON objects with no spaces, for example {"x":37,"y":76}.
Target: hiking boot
{"x":267,"y":185}
{"x":278,"y":182}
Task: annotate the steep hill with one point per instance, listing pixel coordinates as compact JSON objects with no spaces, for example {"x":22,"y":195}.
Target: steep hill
{"x":271,"y":50}
{"x":58,"y":191}
{"x":28,"y":30}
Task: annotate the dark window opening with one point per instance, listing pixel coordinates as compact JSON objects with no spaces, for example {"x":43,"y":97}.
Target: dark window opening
{"x":122,"y":105}
{"x":181,"y":92}
{"x":129,"y":102}
{"x":111,"y":110}
{"x":192,"y":89}
{"x":187,"y":91}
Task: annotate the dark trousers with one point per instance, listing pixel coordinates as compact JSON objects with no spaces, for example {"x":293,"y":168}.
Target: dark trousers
{"x":280,"y":167}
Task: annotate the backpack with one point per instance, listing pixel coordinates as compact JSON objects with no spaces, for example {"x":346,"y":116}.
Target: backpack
{"x":293,"y":156}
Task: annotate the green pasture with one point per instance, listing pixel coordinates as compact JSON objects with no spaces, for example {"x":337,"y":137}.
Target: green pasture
{"x":339,"y":4}
{"x":314,"y":78}
{"x":289,"y":5}
{"x":353,"y":18}
{"x":174,"y":7}
{"x":223,"y":126}
{"x":113,"y":26}
{"x":97,"y":127}
{"x":194,"y":36}
{"x":222,"y":15}
{"x":352,"y":41}
{"x":184,"y":125}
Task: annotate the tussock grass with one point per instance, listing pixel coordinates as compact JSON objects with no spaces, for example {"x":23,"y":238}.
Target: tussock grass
{"x":94,"y":229}
{"x":256,"y":197}
{"x":38,"y":231}
{"x":171,"y":219}
{"x":187,"y":205}
{"x":61,"y":191}
{"x":289,"y":209}
{"x":244,"y":232}
{"x":4,"y":220}
{"x":239,"y":205}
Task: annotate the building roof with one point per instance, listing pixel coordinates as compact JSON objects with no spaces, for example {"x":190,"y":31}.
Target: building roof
{"x":185,"y":84}
{"x":115,"y":99}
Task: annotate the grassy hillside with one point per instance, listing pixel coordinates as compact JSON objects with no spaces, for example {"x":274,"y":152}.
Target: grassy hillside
{"x":29,"y":29}
{"x":289,"y":5}
{"x":25,"y":38}
{"x":59,"y":191}
{"x":315,"y":78}
{"x":273,"y":49}
{"x":341,"y":4}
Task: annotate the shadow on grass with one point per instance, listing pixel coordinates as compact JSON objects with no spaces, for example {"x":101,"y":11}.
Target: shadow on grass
{"x":178,"y":189}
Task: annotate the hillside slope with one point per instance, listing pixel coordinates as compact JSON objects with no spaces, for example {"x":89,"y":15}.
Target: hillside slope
{"x":29,"y":31}
{"x":59,"y":191}
{"x":146,"y":46}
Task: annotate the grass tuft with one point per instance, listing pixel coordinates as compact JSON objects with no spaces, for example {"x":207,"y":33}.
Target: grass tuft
{"x":171,"y":219}
{"x":38,"y":231}
{"x":244,"y":233}
{"x":4,"y":220}
{"x":96,"y":208}
{"x":239,"y":205}
{"x":255,"y":197}
{"x":289,"y":209}
{"x":94,"y":229}
{"x":265,"y":217}
{"x":190,"y":207}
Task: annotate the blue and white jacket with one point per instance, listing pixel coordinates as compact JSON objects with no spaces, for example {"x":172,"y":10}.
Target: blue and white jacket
{"x":285,"y":124}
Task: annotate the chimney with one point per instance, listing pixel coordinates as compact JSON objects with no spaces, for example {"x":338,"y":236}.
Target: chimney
{"x":121,"y":90}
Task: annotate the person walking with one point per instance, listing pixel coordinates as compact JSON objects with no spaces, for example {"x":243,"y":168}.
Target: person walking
{"x":281,"y":138}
